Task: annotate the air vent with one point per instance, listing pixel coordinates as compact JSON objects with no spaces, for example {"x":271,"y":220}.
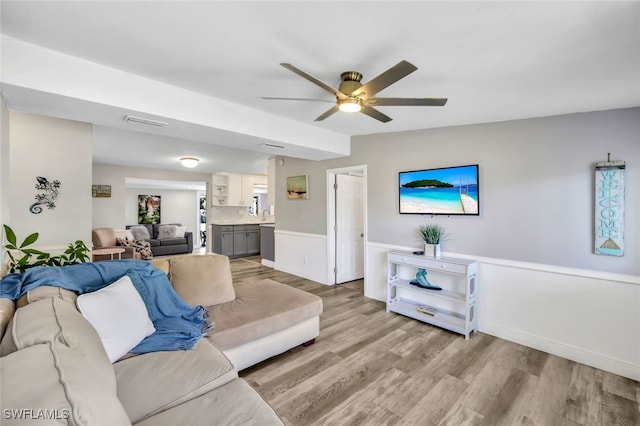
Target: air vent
{"x":146,"y":121}
{"x":271,"y":145}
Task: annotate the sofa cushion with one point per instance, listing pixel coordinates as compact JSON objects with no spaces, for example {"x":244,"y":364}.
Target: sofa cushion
{"x":140,"y":232}
{"x":185,"y":375}
{"x":54,"y":319}
{"x":261,"y":308}
{"x":162,"y":264}
{"x":45,"y":292}
{"x":119,"y":315}
{"x":60,"y":380}
{"x":172,"y":241}
{"x":203,"y":279}
{"x":153,"y":243}
{"x":235,"y":403}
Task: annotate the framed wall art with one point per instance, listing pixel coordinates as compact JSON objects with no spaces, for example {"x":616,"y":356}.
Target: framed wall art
{"x":297,"y":187}
{"x":101,"y":191}
{"x":148,"y":209}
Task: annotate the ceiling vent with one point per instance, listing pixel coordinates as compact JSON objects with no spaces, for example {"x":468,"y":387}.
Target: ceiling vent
{"x":146,"y":121}
{"x":272,"y":145}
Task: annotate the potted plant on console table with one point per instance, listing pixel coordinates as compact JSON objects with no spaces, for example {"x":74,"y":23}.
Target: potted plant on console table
{"x":432,"y":235}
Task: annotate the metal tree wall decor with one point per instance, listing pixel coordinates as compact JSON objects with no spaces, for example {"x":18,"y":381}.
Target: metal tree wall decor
{"x":47,"y":197}
{"x":609,"y":208}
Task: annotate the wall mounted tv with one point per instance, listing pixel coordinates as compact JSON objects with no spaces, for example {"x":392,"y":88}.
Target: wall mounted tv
{"x":446,"y":191}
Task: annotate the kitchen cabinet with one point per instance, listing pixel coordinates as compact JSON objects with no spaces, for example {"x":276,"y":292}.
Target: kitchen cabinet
{"x":236,"y":240}
{"x":223,"y":239}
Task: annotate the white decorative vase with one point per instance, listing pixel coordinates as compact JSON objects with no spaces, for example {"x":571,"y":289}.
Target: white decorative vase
{"x":432,"y":250}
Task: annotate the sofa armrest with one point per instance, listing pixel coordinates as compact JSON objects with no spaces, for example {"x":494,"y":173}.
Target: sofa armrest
{"x":189,"y":237}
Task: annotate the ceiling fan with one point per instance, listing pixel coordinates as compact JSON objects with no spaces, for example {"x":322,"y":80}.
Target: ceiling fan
{"x":353,"y":96}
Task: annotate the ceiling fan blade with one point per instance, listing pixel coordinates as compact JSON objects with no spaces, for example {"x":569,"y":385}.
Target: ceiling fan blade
{"x":386,"y":79}
{"x":296,"y":99}
{"x":314,"y":80}
{"x":374,"y":113}
{"x":406,"y":101}
{"x":328,"y":113}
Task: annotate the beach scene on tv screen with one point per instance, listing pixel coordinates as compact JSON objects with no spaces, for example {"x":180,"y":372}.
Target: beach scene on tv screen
{"x":440,"y":191}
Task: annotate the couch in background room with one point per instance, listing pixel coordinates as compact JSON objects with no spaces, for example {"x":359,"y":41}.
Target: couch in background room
{"x":165,"y":239}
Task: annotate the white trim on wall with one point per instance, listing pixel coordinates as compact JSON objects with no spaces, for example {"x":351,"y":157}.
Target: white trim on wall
{"x":301,"y":254}
{"x":549,"y":308}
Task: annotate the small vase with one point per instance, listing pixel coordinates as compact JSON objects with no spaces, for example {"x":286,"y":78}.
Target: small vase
{"x":432,"y":250}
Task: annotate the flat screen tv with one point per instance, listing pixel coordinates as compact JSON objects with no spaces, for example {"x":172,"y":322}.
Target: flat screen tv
{"x":446,"y":191}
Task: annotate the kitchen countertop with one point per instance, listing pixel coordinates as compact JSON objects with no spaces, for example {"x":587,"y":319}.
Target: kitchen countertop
{"x":244,"y":222}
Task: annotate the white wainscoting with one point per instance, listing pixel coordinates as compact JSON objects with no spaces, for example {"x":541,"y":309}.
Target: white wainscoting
{"x":301,"y":254}
{"x":591,"y":317}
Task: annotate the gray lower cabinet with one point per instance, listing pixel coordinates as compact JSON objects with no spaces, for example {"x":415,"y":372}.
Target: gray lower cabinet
{"x":267,"y":242}
{"x":223,"y":239}
{"x":253,"y":241}
{"x":236,"y":240}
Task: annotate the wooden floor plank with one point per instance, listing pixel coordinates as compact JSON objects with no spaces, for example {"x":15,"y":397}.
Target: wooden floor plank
{"x":370,"y":367}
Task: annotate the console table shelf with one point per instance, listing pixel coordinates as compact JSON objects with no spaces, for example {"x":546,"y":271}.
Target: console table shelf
{"x":455,"y":304}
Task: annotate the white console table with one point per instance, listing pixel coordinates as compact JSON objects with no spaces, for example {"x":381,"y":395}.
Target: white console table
{"x":455,"y":304}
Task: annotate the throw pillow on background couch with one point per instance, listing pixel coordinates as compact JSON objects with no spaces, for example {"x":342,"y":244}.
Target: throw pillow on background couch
{"x":142,"y":247}
{"x":166,"y":232}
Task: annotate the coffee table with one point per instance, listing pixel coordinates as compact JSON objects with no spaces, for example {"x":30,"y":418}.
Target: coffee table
{"x":109,"y":251}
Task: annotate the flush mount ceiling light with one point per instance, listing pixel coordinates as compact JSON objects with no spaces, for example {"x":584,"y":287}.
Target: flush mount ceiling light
{"x":349,"y":105}
{"x":189,"y":162}
{"x":141,"y":120}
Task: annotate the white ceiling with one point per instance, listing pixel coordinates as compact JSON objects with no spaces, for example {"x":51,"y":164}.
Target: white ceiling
{"x":495,"y":61}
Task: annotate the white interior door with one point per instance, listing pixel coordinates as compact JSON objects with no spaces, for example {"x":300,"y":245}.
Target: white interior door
{"x":349,"y":228}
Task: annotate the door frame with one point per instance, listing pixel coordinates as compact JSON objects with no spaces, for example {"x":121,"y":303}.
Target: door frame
{"x":331,"y":218}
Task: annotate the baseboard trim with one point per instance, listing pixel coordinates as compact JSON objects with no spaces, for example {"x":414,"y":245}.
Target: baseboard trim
{"x":268,"y":263}
{"x":563,"y":350}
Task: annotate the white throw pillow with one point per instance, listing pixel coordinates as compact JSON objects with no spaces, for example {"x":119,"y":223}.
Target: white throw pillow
{"x":119,"y":315}
{"x":128,"y":235}
{"x":180,"y":230}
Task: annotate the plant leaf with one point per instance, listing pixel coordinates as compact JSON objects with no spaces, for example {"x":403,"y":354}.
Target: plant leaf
{"x":11,"y":236}
{"x":30,"y":240}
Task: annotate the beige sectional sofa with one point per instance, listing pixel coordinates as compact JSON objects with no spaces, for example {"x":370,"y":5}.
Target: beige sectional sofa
{"x":54,"y":365}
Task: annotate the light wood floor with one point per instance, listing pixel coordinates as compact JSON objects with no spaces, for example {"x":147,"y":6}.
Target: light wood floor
{"x":369,"y":367}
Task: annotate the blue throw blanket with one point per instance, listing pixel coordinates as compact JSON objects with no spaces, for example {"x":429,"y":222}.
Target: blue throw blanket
{"x":178,"y":325}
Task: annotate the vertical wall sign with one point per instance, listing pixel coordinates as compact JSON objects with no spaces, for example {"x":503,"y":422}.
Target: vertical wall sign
{"x":609,"y":208}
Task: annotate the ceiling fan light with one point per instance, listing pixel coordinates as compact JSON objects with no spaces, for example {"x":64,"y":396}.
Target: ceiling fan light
{"x":189,"y":162}
{"x":349,"y":105}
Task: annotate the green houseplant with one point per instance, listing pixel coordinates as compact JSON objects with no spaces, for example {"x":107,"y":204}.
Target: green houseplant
{"x":432,"y":235}
{"x":21,"y":257}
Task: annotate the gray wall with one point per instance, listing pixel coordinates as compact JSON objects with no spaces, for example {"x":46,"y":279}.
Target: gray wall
{"x":536,"y":187}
